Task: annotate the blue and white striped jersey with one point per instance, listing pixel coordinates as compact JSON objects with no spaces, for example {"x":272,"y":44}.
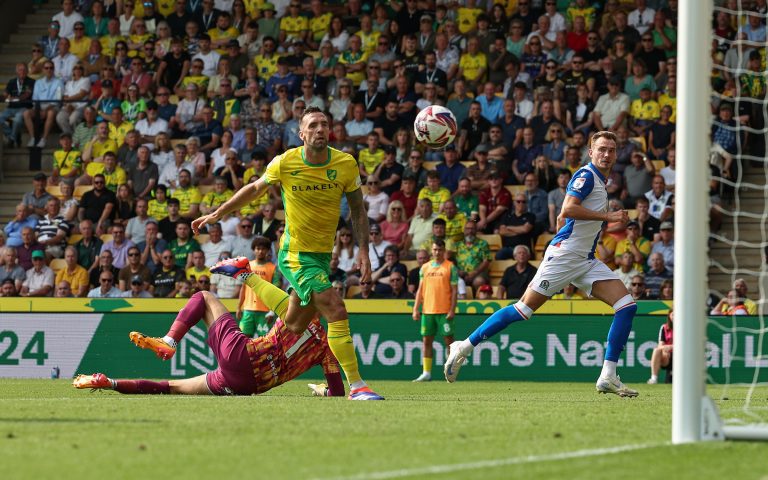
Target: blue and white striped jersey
{"x":580,"y":236}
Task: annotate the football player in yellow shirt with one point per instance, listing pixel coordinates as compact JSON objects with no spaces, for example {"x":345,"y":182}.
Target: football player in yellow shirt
{"x":313,"y":179}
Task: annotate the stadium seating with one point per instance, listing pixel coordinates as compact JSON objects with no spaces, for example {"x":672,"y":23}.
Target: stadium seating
{"x":493,"y":239}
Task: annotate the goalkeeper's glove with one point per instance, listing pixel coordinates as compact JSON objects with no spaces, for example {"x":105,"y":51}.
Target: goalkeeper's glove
{"x":318,"y":390}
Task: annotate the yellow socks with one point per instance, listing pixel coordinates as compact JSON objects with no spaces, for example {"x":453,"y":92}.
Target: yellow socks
{"x":427,"y":364}
{"x":273,"y":297}
{"x":340,"y":341}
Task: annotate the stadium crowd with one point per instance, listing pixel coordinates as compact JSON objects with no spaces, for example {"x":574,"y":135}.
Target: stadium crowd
{"x":162,"y":109}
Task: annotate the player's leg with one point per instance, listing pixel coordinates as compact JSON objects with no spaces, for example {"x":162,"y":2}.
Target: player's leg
{"x":428,"y":329}
{"x":247,"y":323}
{"x":187,"y":386}
{"x":522,"y":310}
{"x":613,"y":292}
{"x":659,"y":359}
{"x":201,"y":306}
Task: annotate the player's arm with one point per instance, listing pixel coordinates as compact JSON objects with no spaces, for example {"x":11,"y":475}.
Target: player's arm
{"x":359,"y":219}
{"x":454,"y":292}
{"x":243,"y":197}
{"x":417,"y":300}
{"x":573,"y":209}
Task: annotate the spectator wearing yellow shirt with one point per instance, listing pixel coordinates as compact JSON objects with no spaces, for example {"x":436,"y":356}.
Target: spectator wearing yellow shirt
{"x":109,"y":41}
{"x":368,"y":36}
{"x":473,"y":65}
{"x":293,"y":26}
{"x":222,"y":33}
{"x":216,"y":197}
{"x":643,"y":112}
{"x":195,"y":77}
{"x":354,"y":58}
{"x":436,"y":193}
{"x":636,"y":244}
{"x":79,"y":44}
{"x":580,"y":9}
{"x":188,"y":196}
{"x":370,"y":158}
{"x":466,"y":17}
{"x":454,"y":221}
{"x":114,"y":175}
{"x":99,"y":145}
{"x":198,"y":268}
{"x":67,"y":161}
{"x":157,"y":207}
{"x":257,"y":203}
{"x":266,"y":62}
{"x":669,"y":98}
{"x":73,"y":273}
{"x":119,"y":128}
{"x":570,"y":292}
{"x":318,"y":24}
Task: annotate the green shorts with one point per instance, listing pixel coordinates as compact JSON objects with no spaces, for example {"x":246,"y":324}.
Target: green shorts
{"x":306,"y":271}
{"x":432,"y":322}
{"x":253,"y":322}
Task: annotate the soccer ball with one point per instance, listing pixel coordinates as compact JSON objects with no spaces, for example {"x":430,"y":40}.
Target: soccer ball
{"x":435,"y":126}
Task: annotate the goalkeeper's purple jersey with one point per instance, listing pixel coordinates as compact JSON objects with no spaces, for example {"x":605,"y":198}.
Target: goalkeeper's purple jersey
{"x":580,"y":236}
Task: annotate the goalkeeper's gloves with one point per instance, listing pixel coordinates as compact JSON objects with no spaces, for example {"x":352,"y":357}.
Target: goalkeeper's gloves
{"x":318,"y":390}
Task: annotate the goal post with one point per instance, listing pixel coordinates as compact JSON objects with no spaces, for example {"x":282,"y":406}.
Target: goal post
{"x":695,"y":416}
{"x":691,"y":228}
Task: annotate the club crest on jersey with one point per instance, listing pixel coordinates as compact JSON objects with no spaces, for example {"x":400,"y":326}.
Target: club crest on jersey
{"x":331,"y":174}
{"x":578,"y":183}
{"x":544,"y":285}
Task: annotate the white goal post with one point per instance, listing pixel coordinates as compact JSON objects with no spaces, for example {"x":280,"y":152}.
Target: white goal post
{"x":694,"y":415}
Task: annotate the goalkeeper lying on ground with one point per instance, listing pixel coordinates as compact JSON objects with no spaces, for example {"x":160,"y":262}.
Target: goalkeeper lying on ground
{"x":246,"y":365}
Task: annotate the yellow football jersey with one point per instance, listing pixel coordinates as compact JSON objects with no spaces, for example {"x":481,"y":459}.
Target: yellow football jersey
{"x":312,"y":197}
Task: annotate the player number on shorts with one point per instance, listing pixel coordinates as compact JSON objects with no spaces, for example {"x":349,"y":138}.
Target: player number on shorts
{"x":34,"y":350}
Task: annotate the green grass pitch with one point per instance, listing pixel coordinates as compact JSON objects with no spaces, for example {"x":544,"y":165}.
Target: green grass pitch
{"x":469,"y":430}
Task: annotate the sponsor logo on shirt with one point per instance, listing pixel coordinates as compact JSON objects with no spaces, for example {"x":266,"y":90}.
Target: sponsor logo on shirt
{"x":578,"y":183}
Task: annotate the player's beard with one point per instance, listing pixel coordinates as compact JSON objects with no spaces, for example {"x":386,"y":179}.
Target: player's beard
{"x":319,"y":143}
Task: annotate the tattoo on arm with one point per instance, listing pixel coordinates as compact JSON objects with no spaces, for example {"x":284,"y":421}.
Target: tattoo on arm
{"x":359,"y":218}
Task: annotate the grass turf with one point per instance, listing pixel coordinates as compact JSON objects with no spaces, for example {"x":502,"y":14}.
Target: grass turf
{"x":482,"y":430}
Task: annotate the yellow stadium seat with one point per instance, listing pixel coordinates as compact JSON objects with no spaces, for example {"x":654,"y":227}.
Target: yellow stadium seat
{"x":515,"y":189}
{"x":493,"y":239}
{"x":410,"y":264}
{"x":535,"y":263}
{"x":106,"y":238}
{"x":280,"y":215}
{"x":497,"y":291}
{"x":468,"y":163}
{"x":470,"y":294}
{"x":74,"y":238}
{"x":202,"y":238}
{"x":353,"y":290}
{"x":542,"y":242}
{"x":178,"y":141}
{"x":80,"y":190}
{"x":498,"y":267}
{"x":53,"y":190}
{"x":431,"y":165}
{"x":205,"y":189}
{"x":58,"y":264}
{"x":632,"y":214}
{"x":658,"y":164}
{"x":640,"y":141}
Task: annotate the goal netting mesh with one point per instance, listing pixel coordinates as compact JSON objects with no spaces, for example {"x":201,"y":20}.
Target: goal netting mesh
{"x":737,"y":350}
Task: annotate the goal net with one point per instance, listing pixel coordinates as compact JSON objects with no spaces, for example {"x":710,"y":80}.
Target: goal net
{"x":732,"y":76}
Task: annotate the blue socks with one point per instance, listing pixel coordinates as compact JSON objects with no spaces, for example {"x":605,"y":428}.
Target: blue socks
{"x":499,"y":321}
{"x":619,"y":332}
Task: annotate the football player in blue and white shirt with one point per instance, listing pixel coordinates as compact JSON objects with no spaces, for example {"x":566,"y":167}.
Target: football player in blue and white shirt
{"x":570,"y":258}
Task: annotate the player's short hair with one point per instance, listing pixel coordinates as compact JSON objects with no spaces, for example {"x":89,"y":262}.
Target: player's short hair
{"x":261,"y":241}
{"x":603,"y":134}
{"x":308,"y":111}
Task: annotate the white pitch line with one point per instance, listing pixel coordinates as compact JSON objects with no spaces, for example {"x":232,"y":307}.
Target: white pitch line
{"x":441,"y":469}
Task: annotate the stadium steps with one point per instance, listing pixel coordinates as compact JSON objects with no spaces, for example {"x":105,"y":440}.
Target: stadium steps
{"x":17,"y":48}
